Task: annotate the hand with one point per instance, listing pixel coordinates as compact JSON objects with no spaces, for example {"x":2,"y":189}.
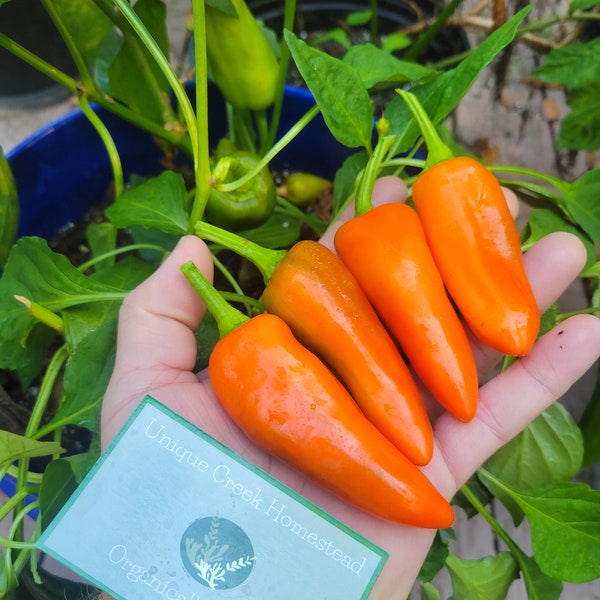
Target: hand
{"x":156,"y":351}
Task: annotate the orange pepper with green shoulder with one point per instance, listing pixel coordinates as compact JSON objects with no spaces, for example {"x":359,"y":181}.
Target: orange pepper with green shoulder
{"x":475,"y":243}
{"x":309,"y":287}
{"x":286,"y":400}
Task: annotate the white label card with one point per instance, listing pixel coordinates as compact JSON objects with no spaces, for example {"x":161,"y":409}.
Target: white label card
{"x":170,"y":513}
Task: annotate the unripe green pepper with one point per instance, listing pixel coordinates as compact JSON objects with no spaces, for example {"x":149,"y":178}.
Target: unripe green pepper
{"x":248,"y":206}
{"x":242,"y":62}
{"x":302,"y":189}
{"x":9,"y":209}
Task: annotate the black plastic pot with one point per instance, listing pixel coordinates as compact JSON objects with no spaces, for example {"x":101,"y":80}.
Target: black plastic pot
{"x":26,"y":22}
{"x":320,"y":15}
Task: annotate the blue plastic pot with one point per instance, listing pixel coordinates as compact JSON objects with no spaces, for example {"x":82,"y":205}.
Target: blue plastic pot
{"x":63,"y":170}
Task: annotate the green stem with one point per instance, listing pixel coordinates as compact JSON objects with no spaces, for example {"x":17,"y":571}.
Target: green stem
{"x":437,"y":151}
{"x":230,"y":279}
{"x":265,"y":259}
{"x":373,"y":29}
{"x":262,"y":127}
{"x":363,"y":202}
{"x":117,"y":251}
{"x":227,"y":317}
{"x":430,"y":32}
{"x":42,"y":314}
{"x":482,"y":510}
{"x":312,"y":221}
{"x":268,"y":157}
{"x":107,"y":140}
{"x":562,"y":186}
{"x":289,"y":16}
{"x":200,"y":141}
{"x":588,"y":310}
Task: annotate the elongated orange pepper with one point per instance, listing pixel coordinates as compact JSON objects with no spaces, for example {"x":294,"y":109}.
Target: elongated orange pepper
{"x":475,"y":243}
{"x":386,"y":250}
{"x":287,"y":402}
{"x":321,"y":301}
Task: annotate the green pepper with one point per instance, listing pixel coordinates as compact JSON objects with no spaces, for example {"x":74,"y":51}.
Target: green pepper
{"x":242,"y":63}
{"x":302,"y":189}
{"x":9,"y":209}
{"x":248,"y":206}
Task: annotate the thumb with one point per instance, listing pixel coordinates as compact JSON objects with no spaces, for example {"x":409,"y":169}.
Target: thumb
{"x":156,"y":345}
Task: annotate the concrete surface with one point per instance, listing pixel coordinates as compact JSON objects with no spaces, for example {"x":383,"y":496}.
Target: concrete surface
{"x":519,"y":129}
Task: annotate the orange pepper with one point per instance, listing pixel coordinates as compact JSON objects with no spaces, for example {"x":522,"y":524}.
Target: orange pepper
{"x":475,"y":243}
{"x":285,"y":399}
{"x":386,"y":250}
{"x":317,"y":296}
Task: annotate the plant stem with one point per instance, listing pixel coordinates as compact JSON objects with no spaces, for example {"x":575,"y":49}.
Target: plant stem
{"x":482,"y":510}
{"x":227,"y":317}
{"x":109,"y":144}
{"x":363,"y":201}
{"x":42,"y":314}
{"x":122,"y":250}
{"x":268,"y":157}
{"x":284,"y":61}
{"x":562,"y":186}
{"x":200,"y":142}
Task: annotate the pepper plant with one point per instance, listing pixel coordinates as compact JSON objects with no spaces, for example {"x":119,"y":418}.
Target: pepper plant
{"x":59,"y":320}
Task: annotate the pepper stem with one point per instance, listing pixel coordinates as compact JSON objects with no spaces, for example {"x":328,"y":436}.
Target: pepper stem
{"x":437,"y":151}
{"x":264,"y":259}
{"x":227,"y":317}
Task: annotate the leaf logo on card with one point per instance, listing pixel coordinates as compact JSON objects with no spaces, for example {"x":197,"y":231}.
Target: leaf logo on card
{"x":217,"y":553}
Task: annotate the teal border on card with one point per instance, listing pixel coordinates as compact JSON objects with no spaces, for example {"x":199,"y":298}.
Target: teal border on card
{"x":149,"y":400}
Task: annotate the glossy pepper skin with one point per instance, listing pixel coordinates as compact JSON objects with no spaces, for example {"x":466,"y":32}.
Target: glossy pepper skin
{"x":475,"y":243}
{"x":249,"y":205}
{"x":477,"y":249}
{"x":289,"y":403}
{"x":321,"y":301}
{"x":242,"y":62}
{"x":386,"y":250}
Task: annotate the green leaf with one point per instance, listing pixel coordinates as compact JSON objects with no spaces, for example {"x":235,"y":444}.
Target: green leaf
{"x":590,"y":426}
{"x":207,"y":336}
{"x":395,"y":41}
{"x":358,"y":18}
{"x":582,"y":5}
{"x":135,"y":77}
{"x":440,"y":96}
{"x":436,"y":557}
{"x":539,"y":586}
{"x":101,"y":238}
{"x":565,"y":530}
{"x":338,"y":91}
{"x":48,"y":278}
{"x":580,"y":129}
{"x":542,"y":221}
{"x":487,"y":579}
{"x":333,"y":35}
{"x":279,"y":231}
{"x":548,"y":450}
{"x":379,"y":70}
{"x":87,"y":373}
{"x":58,"y":483}
{"x":344,"y":184}
{"x":572,"y":66}
{"x":158,"y":203}
{"x":564,"y":519}
{"x":14,"y":447}
{"x":87,"y":24}
{"x":225,"y":6}
{"x":582,"y":203}
{"x":429,"y":591}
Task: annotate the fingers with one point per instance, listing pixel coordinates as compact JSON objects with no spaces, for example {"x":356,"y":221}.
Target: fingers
{"x":510,"y":401}
{"x":156,"y":345}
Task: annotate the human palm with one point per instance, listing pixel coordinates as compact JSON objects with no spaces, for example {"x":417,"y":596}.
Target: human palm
{"x":156,"y":353}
